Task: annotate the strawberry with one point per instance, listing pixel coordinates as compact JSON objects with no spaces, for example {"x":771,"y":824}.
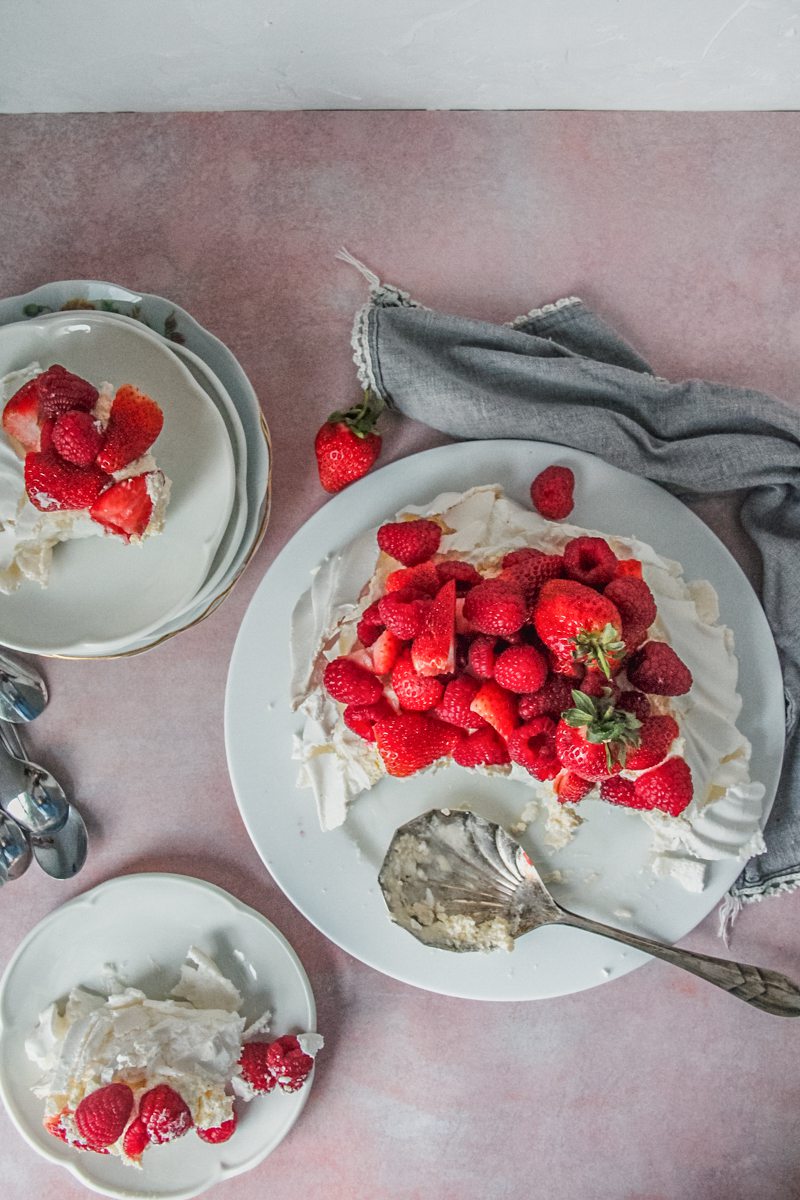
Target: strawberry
{"x":136,"y":1139}
{"x":21,"y":417}
{"x":349,"y":682}
{"x":424,"y":577}
{"x":550,"y":700}
{"x":481,"y":656}
{"x":384,"y":651}
{"x":592,"y":738}
{"x":521,"y":669}
{"x":254,"y":1068}
{"x":454,"y":707}
{"x":579,"y":626}
{"x":219,"y":1133}
{"x":656,"y":735}
{"x":289,"y":1065}
{"x":126,"y":507}
{"x":164,"y":1114}
{"x":76,"y":437}
{"x":433,"y":649}
{"x":134,"y":424}
{"x":533,"y":746}
{"x":628,"y":568}
{"x":590,"y":560}
{"x":410,"y":741}
{"x":101,"y":1116}
{"x":552,"y":492}
{"x":634,"y":702}
{"x":46,"y":435}
{"x":497,"y":706}
{"x":54,"y":1124}
{"x":403,"y":613}
{"x":496,"y":606}
{"x":60,"y":391}
{"x":571,"y":788}
{"x":620,"y":791}
{"x":410,"y":542}
{"x":657,"y":669}
{"x":667,"y":788}
{"x":465,"y":575}
{"x":636,"y":606}
{"x":415,"y":692}
{"x":482,"y":748}
{"x":346,"y":446}
{"x":53,"y":484}
{"x":530,"y":568}
{"x":361,"y":718}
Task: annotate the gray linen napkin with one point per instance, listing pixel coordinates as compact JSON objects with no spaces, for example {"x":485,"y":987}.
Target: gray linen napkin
{"x":560,"y":374}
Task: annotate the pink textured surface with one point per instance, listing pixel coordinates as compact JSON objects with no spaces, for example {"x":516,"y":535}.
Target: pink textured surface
{"x":682,"y":230}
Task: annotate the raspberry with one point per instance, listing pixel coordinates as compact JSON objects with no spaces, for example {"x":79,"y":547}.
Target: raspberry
{"x":101,"y":1116}
{"x":253,"y":1065}
{"x":590,"y":561}
{"x":424,"y":577}
{"x":571,"y":788}
{"x":620,"y":791}
{"x":136,"y":1140}
{"x":415,"y":693}
{"x":496,"y":606}
{"x":454,"y":706}
{"x":634,"y":702}
{"x":349,"y":682}
{"x":530,"y":568}
{"x":219,"y":1133}
{"x":53,"y":484}
{"x":465,"y":575}
{"x":410,"y":542}
{"x":594,"y":684}
{"x":76,"y":437}
{"x":635,"y":602}
{"x":552,"y":698}
{"x":368,"y":633}
{"x":552,"y":492}
{"x":287,"y":1062}
{"x":533,"y":746}
{"x":483,"y":748}
{"x":164,"y":1114}
{"x":521,"y":669}
{"x":481,"y":656}
{"x":656,"y":668}
{"x":668,"y":787}
{"x":59,"y":391}
{"x":655,"y":738}
{"x":361,"y":718}
{"x":403,"y":613}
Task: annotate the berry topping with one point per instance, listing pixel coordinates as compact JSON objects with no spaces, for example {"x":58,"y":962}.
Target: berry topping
{"x":346,"y":446}
{"x":668,"y":787}
{"x":465,"y":575}
{"x":410,"y":542}
{"x":415,"y":693}
{"x":590,"y":560}
{"x":629,"y":568}
{"x":592,"y":738}
{"x":101,"y":1116}
{"x":21,"y":417}
{"x":594,"y":684}
{"x":126,"y":507}
{"x":136,"y":1140}
{"x":579,"y":626}
{"x":433,"y":651}
{"x":656,"y":668}
{"x":53,"y":484}
{"x":349,"y":682}
{"x":361,"y":718}
{"x":552,"y":698}
{"x":254,"y":1068}
{"x":481,"y":656}
{"x":530,"y":568}
{"x":483,"y":748}
{"x":219,"y":1133}
{"x":496,"y":606}
{"x":634,"y":702}
{"x":76,"y":437}
{"x":454,"y":707}
{"x":533,"y":746}
{"x":521,"y":669}
{"x":552,"y":493}
{"x":497,"y":707}
{"x":403,"y":613}
{"x":288,"y":1063}
{"x":410,"y":741}
{"x":424,"y":577}
{"x":656,"y":735}
{"x":368,"y":633}
{"x":59,"y":391}
{"x":636,"y":606}
{"x":571,"y":788}
{"x":164,"y":1114}
{"x":134,"y":424}
{"x":619,"y":791}
{"x":384,"y":651}
{"x":55,"y":1126}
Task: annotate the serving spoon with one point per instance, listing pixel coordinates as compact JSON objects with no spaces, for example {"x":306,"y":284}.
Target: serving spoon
{"x":28,"y":792}
{"x":23,"y":692}
{"x":459,"y":882}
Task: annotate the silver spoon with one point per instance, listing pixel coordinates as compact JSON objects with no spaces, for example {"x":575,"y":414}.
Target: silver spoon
{"x":62,"y":854}
{"x":23,"y":692}
{"x":28,"y":792}
{"x":15,"y":853}
{"x":459,"y":882}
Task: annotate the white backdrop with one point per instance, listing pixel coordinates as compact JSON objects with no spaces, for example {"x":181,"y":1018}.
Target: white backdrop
{"x":151,"y":55}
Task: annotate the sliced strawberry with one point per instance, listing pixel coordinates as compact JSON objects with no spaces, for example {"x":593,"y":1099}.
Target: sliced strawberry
{"x":411,"y":741}
{"x":454,"y":706}
{"x":433,"y":650}
{"x":53,"y":485}
{"x":21,"y":417}
{"x":125,"y":508}
{"x":134,"y":424}
{"x":498,"y":707}
{"x":384,"y":651}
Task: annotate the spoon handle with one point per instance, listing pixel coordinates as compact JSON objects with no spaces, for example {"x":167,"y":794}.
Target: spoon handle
{"x":767,"y":990}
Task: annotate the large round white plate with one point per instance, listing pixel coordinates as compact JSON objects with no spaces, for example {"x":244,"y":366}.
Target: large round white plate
{"x":178,"y":329}
{"x":144,"y":924}
{"x":332,"y":877}
{"x":101,"y":593}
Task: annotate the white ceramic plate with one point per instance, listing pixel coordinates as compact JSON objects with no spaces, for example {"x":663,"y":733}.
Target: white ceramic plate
{"x":144,"y":924}
{"x":332,"y":877}
{"x":102,"y":594}
{"x":179,"y":329}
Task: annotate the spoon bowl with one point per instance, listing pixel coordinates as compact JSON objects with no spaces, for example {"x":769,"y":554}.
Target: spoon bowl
{"x":15,"y":852}
{"x":23,"y":692}
{"x":29,"y":793}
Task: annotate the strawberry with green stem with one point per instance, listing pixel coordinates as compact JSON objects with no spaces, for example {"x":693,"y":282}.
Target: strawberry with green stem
{"x":346,"y":446}
{"x":579,"y":626}
{"x":592,"y":738}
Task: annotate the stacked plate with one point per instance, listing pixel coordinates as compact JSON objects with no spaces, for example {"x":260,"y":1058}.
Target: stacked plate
{"x":105,"y":599}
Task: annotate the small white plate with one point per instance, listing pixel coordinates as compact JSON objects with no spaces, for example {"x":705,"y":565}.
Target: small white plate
{"x":103,"y":594}
{"x":332,"y":877}
{"x":144,"y":924}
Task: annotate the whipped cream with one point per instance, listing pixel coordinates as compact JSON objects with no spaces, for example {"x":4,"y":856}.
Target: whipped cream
{"x":28,"y":534}
{"x":480,"y":526}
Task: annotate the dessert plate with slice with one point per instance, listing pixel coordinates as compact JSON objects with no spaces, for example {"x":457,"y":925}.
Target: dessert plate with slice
{"x":142,"y":925}
{"x":101,"y":592}
{"x":218,"y":373}
{"x":607,"y":870}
